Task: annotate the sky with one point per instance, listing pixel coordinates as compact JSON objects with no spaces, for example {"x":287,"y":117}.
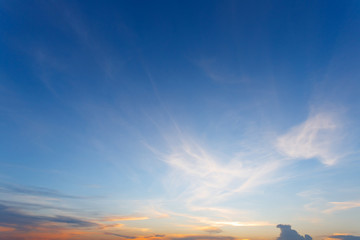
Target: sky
{"x":179,"y":120}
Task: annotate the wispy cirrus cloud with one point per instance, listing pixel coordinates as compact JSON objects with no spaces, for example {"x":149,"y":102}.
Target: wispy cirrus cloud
{"x":35,"y":191}
{"x":200,"y":180}
{"x":212,"y":179}
{"x":317,"y":137}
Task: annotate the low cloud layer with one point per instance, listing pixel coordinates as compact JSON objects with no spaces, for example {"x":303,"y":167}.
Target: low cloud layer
{"x":119,"y":235}
{"x":345,"y":237}
{"x":199,"y":237}
{"x":211,"y":229}
{"x":10,"y":217}
{"x":289,"y":234}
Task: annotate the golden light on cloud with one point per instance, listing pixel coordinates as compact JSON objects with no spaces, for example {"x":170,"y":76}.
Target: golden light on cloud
{"x":106,"y":226}
{"x":245,"y":224}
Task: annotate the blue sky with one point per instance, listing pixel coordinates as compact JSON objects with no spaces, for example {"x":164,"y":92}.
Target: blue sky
{"x":179,"y":119}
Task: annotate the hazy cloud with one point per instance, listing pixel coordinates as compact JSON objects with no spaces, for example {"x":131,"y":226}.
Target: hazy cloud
{"x":210,"y":229}
{"x":34,"y":206}
{"x":159,"y":235}
{"x":119,"y":235}
{"x":220,"y":72}
{"x":34,"y":191}
{"x":289,"y":234}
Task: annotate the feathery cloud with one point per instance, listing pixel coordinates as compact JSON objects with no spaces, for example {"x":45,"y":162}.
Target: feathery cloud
{"x":317,"y":137}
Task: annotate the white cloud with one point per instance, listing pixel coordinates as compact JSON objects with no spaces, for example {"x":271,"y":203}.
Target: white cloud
{"x":201,"y":177}
{"x":244,"y":224}
{"x":199,"y":181}
{"x":318,"y":137}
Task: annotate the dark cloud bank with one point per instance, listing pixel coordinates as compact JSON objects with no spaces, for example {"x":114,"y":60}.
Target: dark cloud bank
{"x":10,"y":217}
{"x":289,"y":234}
{"x":345,"y":237}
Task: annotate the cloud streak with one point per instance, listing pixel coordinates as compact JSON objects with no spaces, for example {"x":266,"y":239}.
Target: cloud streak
{"x":124,"y":218}
{"x":345,"y":237}
{"x":35,"y":191}
{"x":119,"y":235}
{"x":341,"y":206}
{"x":209,"y":179}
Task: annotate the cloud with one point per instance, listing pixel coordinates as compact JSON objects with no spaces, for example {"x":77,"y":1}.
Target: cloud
{"x":244,"y":224}
{"x":202,"y":237}
{"x":345,"y":237}
{"x":210,"y":229}
{"x":119,"y":235}
{"x":289,"y":234}
{"x":33,"y":206}
{"x":341,"y":206}
{"x":201,"y":178}
{"x":106,"y":226}
{"x":317,"y":137}
{"x":6,"y":229}
{"x":34,"y":191}
{"x":124,"y":218}
{"x":10,"y":217}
